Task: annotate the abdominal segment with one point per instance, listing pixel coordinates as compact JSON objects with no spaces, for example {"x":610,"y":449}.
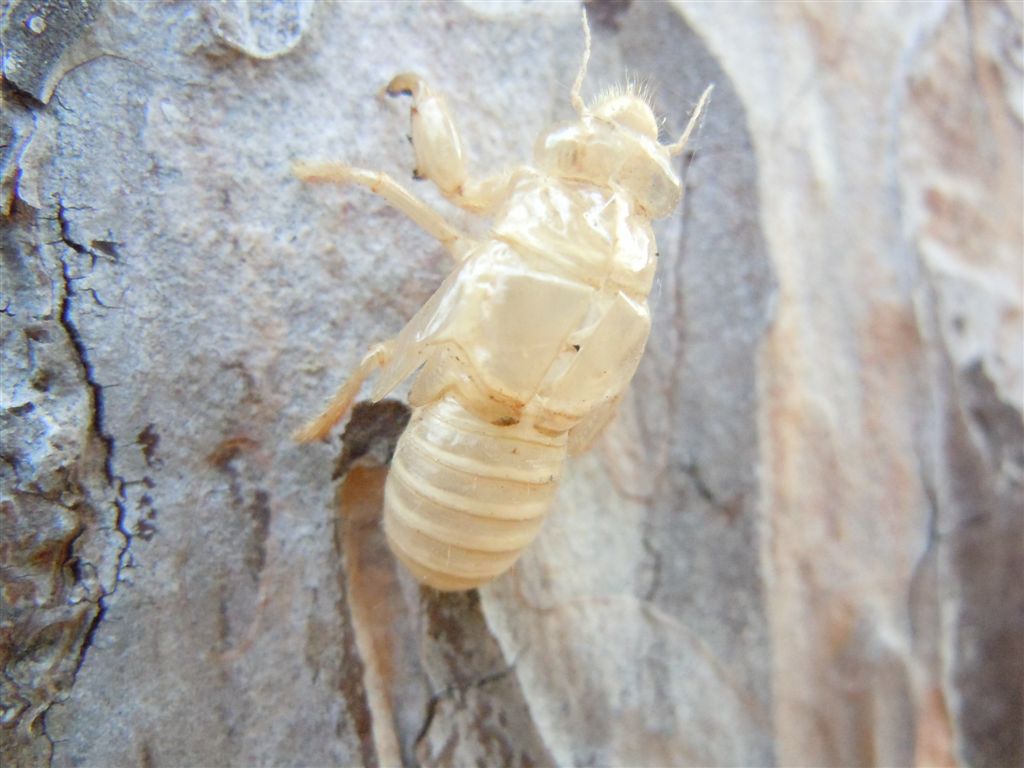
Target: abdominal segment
{"x":464,"y":497}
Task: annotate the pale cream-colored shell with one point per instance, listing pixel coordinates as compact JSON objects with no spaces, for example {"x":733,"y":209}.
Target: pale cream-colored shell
{"x":537,"y":330}
{"x":527,"y":347}
{"x":464,"y":497}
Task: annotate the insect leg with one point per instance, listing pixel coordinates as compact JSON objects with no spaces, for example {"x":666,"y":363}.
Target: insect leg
{"x":439,"y":154}
{"x":394,"y":193}
{"x":336,"y":409}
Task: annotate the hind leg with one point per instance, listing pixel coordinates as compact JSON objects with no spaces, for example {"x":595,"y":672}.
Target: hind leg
{"x":336,"y":409}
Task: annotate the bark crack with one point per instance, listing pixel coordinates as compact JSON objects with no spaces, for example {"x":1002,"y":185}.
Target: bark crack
{"x":693,"y":472}
{"x":656,"y":565}
{"x":97,"y":425}
{"x":97,"y":428}
{"x":452,"y":691}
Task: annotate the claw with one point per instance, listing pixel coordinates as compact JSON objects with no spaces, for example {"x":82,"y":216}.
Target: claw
{"x":405,"y":84}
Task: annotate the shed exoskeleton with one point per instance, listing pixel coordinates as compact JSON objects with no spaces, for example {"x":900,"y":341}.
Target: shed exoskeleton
{"x":528,"y":345}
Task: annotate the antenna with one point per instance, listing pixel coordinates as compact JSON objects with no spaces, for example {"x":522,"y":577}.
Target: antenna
{"x":675,"y":149}
{"x":575,"y":98}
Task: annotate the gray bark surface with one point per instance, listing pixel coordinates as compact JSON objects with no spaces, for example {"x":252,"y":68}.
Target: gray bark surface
{"x":800,"y":542}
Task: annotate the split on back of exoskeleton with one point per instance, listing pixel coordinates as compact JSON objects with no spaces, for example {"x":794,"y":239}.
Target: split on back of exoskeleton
{"x":528,"y":345}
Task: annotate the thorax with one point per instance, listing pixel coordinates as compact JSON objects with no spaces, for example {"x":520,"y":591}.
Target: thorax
{"x":580,"y":231}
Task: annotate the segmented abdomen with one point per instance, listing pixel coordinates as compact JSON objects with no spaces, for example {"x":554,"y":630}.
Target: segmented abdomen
{"x":464,"y":497}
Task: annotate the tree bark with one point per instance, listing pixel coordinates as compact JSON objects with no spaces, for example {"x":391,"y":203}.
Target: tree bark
{"x":800,"y":542}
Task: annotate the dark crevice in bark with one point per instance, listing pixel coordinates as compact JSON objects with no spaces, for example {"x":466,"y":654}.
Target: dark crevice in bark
{"x":455,"y":691}
{"x":97,"y":430}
